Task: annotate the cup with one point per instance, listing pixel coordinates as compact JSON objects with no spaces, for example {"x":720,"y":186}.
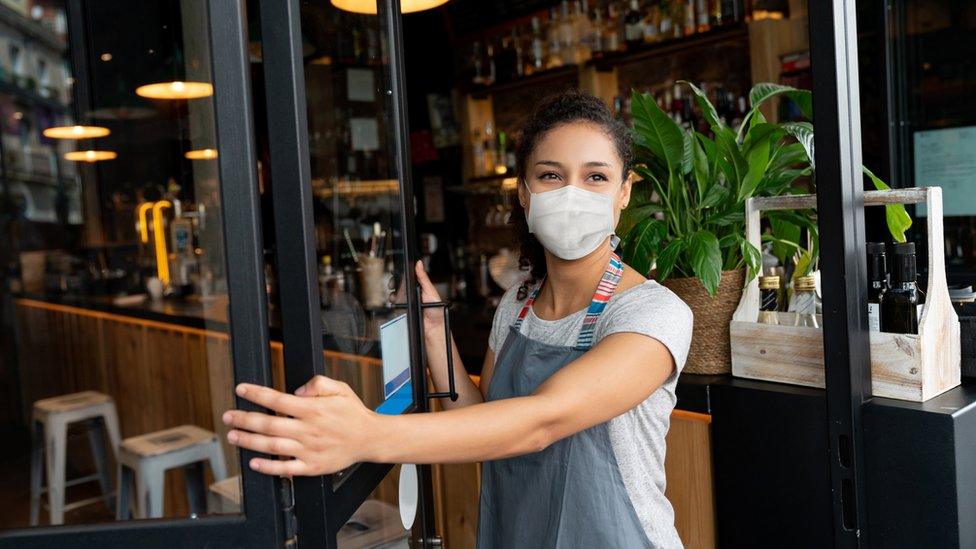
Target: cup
{"x":373,"y":282}
{"x":155,"y":288}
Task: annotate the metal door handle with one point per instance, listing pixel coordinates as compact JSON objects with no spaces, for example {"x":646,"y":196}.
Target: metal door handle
{"x":451,"y":382}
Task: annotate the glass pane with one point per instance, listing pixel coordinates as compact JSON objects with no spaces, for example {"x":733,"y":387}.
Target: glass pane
{"x":377,"y":523}
{"x":357,"y":203}
{"x":114,"y":343}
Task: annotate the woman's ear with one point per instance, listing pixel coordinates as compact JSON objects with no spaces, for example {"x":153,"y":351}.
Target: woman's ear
{"x":523,"y":194}
{"x":625,"y":188}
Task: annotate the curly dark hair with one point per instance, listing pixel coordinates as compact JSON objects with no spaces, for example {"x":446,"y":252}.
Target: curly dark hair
{"x":551,"y":112}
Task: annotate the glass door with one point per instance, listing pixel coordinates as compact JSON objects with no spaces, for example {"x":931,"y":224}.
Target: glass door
{"x":344,"y":248}
{"x":133,"y":279}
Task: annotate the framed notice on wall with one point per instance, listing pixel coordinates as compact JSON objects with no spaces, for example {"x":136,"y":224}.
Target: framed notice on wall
{"x":947,"y":158}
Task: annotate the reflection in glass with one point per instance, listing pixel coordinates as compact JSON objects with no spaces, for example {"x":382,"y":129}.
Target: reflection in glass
{"x":358,"y":219}
{"x":114,"y":345}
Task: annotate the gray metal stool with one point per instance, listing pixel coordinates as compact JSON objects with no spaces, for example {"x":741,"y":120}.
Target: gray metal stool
{"x":148,"y":457}
{"x":49,"y":433}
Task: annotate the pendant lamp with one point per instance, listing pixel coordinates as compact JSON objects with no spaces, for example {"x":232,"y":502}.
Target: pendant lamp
{"x":369,"y":6}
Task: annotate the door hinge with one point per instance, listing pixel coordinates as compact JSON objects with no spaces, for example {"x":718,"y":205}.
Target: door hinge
{"x":287,"y":494}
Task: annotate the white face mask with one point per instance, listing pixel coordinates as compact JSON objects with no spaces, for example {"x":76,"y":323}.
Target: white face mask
{"x":570,"y":222}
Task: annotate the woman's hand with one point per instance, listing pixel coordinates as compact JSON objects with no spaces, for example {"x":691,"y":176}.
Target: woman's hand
{"x":433,"y":317}
{"x":329,"y":428}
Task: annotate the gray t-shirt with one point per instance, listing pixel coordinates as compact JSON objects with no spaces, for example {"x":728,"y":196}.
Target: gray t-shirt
{"x":637,"y":436}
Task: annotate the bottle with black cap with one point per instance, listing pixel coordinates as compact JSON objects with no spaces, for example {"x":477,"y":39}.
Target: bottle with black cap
{"x":877,"y":283}
{"x":901,"y":302}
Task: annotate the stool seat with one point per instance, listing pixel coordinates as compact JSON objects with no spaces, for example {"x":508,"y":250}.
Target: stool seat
{"x":144,"y":460}
{"x":167,"y":440}
{"x":75,"y":402}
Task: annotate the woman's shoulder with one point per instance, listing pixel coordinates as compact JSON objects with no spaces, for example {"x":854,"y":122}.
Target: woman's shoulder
{"x":648,"y":299}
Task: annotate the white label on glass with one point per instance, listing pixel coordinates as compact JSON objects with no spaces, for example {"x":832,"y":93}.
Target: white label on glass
{"x":874,"y":317}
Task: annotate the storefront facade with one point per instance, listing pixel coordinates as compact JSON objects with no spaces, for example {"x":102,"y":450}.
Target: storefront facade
{"x":241,"y":169}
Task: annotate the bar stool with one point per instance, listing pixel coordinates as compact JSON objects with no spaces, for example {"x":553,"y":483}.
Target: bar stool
{"x":49,"y":432}
{"x":148,"y":457}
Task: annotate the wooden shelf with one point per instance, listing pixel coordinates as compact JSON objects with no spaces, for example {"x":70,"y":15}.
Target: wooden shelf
{"x":609,"y":61}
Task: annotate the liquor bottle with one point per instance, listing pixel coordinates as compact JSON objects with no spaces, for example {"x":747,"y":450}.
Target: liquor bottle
{"x":877,"y":283}
{"x":768,"y":299}
{"x":326,"y":282}
{"x":554,"y":57}
{"x":492,"y":76}
{"x":652,"y":23}
{"x":731,"y":11}
{"x":479,"y":153}
{"x":804,"y":302}
{"x":537,"y":61}
{"x":597,"y":33}
{"x":901,"y":303}
{"x":584,"y":32}
{"x":478,"y":65}
{"x":666,"y":27}
{"x":611,"y":30}
{"x":702,"y":16}
{"x":567,"y":38}
{"x":688,"y":24}
{"x":519,"y":53}
{"x":633,"y":25}
{"x":715,"y":13}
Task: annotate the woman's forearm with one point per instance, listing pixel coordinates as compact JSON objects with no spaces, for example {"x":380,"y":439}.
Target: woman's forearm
{"x":491,"y":430}
{"x":468,"y":392}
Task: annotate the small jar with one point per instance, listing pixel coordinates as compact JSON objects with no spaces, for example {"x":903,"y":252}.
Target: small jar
{"x":804,"y":302}
{"x":768,"y":299}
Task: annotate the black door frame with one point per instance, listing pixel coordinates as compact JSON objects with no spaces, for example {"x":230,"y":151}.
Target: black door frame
{"x":261,"y":523}
{"x":323,"y":504}
{"x":840,"y":206}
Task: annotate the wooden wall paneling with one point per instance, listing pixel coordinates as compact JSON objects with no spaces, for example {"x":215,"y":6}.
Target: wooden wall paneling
{"x":221,"y":390}
{"x":688,"y":466}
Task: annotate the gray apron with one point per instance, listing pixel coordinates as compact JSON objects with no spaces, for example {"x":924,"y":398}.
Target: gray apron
{"x":571,"y":494}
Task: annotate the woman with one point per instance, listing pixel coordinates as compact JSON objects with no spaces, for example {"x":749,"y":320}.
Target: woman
{"x":577,"y":385}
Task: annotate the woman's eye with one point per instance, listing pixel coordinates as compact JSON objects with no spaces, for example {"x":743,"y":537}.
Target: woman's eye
{"x":599,"y":177}
{"x":549,"y":176}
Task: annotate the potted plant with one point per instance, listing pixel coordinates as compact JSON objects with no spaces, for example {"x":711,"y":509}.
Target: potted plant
{"x":686,"y":214}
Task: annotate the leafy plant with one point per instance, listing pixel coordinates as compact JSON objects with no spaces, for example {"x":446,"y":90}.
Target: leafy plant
{"x":686,"y":215}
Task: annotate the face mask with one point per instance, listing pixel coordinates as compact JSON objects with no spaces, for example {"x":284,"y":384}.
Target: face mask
{"x":571,"y":222}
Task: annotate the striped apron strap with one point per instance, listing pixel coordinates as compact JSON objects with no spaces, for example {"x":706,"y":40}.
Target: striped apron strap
{"x":604,"y":291}
{"x":525,"y":308}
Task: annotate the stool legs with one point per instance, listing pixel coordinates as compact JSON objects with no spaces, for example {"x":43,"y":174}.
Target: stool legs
{"x":123,"y":494}
{"x":195,"y":487}
{"x":55,"y":440}
{"x":96,"y":440}
{"x":37,"y":470}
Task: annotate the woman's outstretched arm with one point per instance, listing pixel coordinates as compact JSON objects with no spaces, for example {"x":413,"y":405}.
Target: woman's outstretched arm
{"x":333,"y":429}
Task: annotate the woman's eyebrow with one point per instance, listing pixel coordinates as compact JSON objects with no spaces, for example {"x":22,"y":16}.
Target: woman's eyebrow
{"x":596,"y":164}
{"x":549,"y":163}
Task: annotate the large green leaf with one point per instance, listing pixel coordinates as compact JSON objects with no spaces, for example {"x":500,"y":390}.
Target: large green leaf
{"x":715,"y":195}
{"x":668,"y":257}
{"x":688,"y":153}
{"x":752,"y":257}
{"x":775,"y":182}
{"x":758,"y":159}
{"x":787,"y":238}
{"x":762,"y":92}
{"x":788,"y":155}
{"x":706,"y":259}
{"x":644,"y":243}
{"x":635,"y":214}
{"x":733,"y":163}
{"x":895,"y":214}
{"x":762,"y":132}
{"x":658,"y":132}
{"x":701,"y":169}
{"x":802,"y":132}
{"x":708,"y":110}
{"x":726,"y":217}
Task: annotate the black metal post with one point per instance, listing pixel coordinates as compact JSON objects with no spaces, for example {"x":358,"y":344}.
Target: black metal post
{"x":840,"y":203}
{"x":284,"y":76}
{"x":390,"y":10}
{"x":243,"y":240}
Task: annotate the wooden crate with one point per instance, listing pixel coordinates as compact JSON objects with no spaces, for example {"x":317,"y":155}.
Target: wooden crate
{"x":903,"y":366}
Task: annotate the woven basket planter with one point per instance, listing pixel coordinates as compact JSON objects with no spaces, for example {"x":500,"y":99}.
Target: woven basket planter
{"x":710,"y":351}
